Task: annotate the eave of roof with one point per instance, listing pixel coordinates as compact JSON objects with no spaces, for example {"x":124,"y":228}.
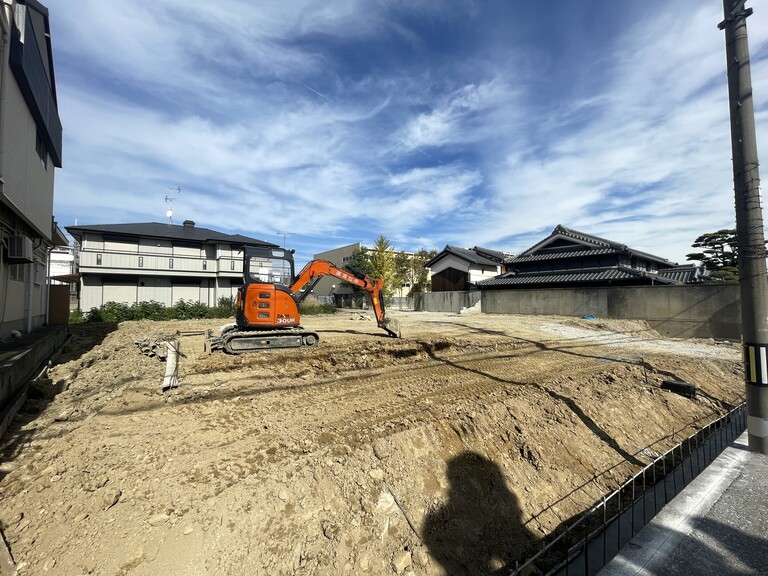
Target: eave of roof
{"x":464,"y":254}
{"x":602,"y":243}
{"x":572,"y":276}
{"x":169,"y":231}
{"x":564,"y":254}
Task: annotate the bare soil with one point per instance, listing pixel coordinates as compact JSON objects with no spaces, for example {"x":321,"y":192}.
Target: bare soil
{"x":453,"y":450}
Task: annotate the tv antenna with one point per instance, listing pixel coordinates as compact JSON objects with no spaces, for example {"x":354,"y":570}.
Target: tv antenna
{"x":284,"y":235}
{"x":169,"y":201}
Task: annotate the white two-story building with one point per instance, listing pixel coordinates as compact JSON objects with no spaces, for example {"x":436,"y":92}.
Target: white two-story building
{"x":131,"y":263}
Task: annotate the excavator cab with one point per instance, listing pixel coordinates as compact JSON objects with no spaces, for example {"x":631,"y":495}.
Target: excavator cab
{"x":268,"y":265}
{"x":265,"y":300}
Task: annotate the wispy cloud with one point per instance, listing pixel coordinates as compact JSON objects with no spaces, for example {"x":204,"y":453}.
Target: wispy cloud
{"x":342,"y":121}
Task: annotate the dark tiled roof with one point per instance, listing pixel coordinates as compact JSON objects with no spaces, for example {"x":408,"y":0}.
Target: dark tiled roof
{"x":595,"y":241}
{"x":168,"y":231}
{"x":572,"y":277}
{"x":495,"y":255}
{"x":564,"y":254}
{"x":686,"y":274}
{"x":465,"y":254}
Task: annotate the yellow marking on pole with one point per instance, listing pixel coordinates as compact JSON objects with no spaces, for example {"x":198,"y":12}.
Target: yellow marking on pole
{"x":752,"y":371}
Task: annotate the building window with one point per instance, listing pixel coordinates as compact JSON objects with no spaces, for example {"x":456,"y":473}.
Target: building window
{"x":232,"y":265}
{"x":205,"y":264}
{"x":98,"y":259}
{"x":170,"y":263}
{"x":141,"y":261}
{"x":42,"y":153}
{"x":18,"y":272}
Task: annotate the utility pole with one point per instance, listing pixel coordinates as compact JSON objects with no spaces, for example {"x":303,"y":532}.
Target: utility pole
{"x":753,"y":280}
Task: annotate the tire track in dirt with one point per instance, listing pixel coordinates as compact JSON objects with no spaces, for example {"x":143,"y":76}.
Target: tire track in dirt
{"x":407,"y":396}
{"x":470,"y":382}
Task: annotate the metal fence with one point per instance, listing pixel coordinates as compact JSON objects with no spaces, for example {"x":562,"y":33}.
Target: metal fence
{"x":589,"y":543}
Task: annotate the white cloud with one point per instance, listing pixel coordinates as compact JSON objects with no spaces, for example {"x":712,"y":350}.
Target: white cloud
{"x":244,"y":107}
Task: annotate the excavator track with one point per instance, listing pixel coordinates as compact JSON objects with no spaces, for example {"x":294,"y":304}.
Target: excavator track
{"x":236,"y":341}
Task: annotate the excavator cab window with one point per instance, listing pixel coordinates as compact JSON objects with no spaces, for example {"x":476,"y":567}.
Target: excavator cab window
{"x":275,"y":268}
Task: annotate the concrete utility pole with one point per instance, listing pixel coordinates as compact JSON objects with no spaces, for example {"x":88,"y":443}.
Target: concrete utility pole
{"x":753,"y":280}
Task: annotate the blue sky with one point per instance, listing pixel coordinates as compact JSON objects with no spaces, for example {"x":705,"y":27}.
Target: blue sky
{"x":458,"y":122}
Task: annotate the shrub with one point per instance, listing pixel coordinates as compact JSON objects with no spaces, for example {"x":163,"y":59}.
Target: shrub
{"x":225,"y":308}
{"x":314,"y":306}
{"x":94,"y":315}
{"x":76,"y":317}
{"x":226,"y":303}
{"x":189,"y":310}
{"x":151,"y":310}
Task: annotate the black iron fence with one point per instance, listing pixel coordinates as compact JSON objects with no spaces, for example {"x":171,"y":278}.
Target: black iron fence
{"x":589,"y":543}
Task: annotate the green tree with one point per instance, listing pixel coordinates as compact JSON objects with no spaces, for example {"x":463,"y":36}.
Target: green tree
{"x":719,"y":254}
{"x":382,"y":257}
{"x":359,"y":261}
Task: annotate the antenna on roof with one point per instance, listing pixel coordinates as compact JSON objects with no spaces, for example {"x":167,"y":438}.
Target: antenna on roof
{"x":169,"y":200}
{"x":284,"y":234}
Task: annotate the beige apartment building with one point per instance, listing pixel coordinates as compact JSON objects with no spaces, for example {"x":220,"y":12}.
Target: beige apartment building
{"x":331,"y":289}
{"x":131,"y":263}
{"x":30,"y":151}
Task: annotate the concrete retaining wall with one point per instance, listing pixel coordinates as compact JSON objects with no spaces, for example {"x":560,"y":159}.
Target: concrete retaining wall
{"x":20,"y":361}
{"x":711,"y":311}
{"x":445,"y":301}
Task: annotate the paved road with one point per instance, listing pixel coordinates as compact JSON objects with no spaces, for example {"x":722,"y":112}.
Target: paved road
{"x":717,"y":526}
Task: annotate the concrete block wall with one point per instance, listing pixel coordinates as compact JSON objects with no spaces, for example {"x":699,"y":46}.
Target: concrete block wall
{"x":694,"y":311}
{"x":445,"y":301}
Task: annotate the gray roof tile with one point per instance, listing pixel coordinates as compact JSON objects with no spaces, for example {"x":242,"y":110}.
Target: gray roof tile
{"x":170,"y":231}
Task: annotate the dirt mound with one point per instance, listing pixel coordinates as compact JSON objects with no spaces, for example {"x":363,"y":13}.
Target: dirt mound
{"x":454,"y":449}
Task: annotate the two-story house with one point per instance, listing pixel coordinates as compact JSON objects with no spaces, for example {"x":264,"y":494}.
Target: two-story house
{"x":30,"y":151}
{"x":131,"y":263}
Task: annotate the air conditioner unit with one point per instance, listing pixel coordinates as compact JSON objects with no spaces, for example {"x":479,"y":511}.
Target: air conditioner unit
{"x":20,"y":249}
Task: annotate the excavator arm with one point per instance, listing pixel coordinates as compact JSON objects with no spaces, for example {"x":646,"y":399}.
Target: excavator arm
{"x":318,"y":268}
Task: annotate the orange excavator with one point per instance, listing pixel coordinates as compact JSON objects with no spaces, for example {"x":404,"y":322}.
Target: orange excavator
{"x":267,"y":307}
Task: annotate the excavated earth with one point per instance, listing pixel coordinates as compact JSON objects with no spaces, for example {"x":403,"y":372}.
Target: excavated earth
{"x":454,"y":450}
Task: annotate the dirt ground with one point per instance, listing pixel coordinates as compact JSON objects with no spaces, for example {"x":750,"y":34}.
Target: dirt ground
{"x":453,"y":450}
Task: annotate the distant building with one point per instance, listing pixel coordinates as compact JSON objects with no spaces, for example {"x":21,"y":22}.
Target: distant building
{"x":30,"y":151}
{"x":62,"y":270}
{"x":144,"y":262}
{"x":331,"y":289}
{"x":569,"y":258}
{"x":458,"y":269}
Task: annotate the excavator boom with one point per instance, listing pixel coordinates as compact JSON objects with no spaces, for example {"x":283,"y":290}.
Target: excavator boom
{"x":374,"y":286}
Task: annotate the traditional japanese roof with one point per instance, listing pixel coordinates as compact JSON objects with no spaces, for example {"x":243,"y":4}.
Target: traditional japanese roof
{"x":686,"y":274}
{"x":495,"y":255}
{"x":472,"y":256}
{"x":569,"y":254}
{"x":570,"y":277}
{"x":566,"y":245}
{"x":592,"y":245}
{"x":187,"y":232}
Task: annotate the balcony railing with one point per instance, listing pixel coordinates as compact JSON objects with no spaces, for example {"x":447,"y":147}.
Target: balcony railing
{"x":153,"y":265}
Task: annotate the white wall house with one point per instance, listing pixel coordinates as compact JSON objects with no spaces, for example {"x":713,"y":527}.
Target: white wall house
{"x":131,"y":263}
{"x":30,"y":151}
{"x":456,"y":268}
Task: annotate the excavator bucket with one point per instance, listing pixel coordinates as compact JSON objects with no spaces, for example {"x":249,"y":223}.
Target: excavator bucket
{"x":391,"y":326}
